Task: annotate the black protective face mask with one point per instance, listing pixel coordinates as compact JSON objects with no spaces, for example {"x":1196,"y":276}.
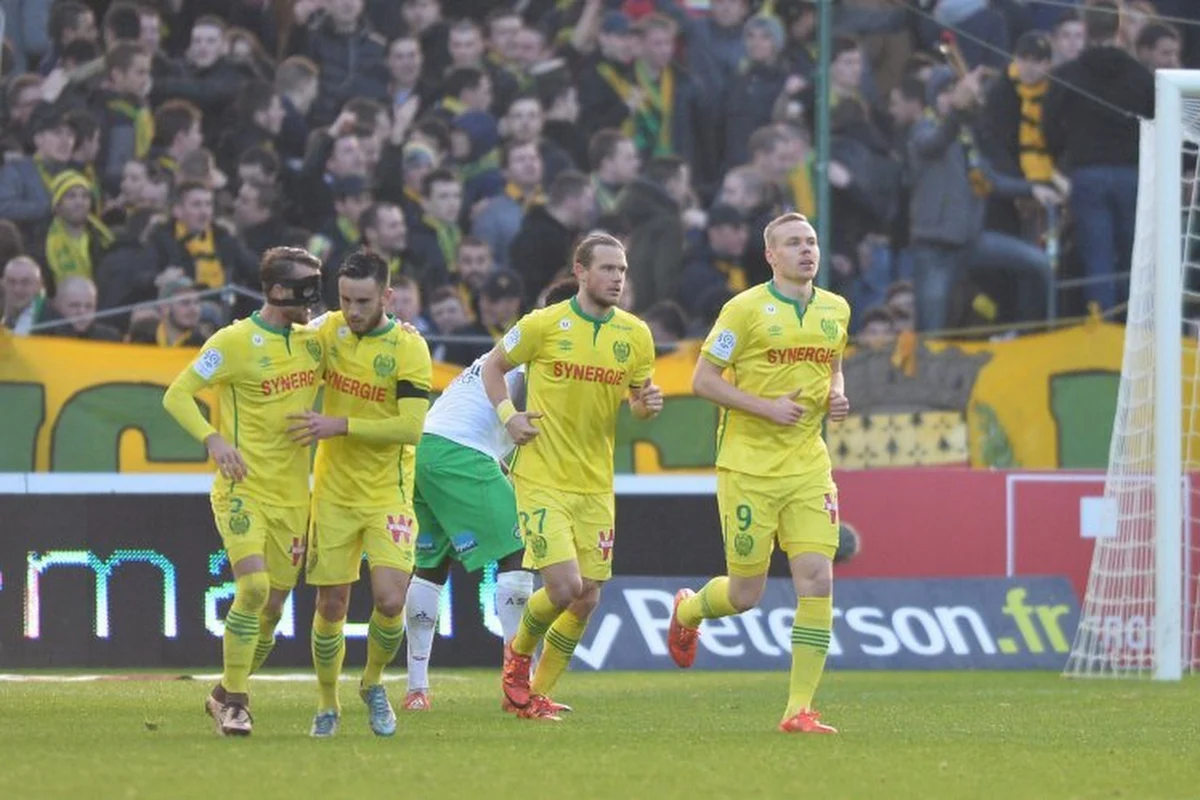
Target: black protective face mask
{"x":301,"y":291}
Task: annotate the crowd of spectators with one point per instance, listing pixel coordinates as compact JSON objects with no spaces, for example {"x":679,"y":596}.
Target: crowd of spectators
{"x":154,"y":149}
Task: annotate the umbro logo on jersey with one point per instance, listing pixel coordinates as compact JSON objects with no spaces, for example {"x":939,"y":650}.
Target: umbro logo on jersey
{"x":264,"y":362}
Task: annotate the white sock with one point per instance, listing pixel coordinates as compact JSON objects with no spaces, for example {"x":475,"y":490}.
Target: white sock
{"x":421,"y":611}
{"x":512,"y":592}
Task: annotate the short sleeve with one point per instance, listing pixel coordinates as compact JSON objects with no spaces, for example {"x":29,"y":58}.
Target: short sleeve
{"x":726,"y":338}
{"x":522,"y":341}
{"x":217,"y":359}
{"x":414,"y":366}
{"x":643,"y":371}
{"x":845,"y":340}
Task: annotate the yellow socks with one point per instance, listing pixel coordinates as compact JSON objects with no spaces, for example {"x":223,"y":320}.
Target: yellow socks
{"x":267,"y":623}
{"x":810,"y":641}
{"x":383,"y":641}
{"x":241,"y":630}
{"x":328,"y":652}
{"x":561,"y":640}
{"x":711,"y":602}
{"x":540,"y":613}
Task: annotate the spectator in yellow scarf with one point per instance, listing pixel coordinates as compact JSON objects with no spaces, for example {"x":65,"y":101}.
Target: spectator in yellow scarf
{"x":75,"y":240}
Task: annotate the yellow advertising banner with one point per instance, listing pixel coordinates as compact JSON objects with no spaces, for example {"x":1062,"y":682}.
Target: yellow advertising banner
{"x":1045,"y":401}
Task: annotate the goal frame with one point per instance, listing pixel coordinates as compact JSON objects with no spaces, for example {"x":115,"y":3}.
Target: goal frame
{"x":1171,"y":87}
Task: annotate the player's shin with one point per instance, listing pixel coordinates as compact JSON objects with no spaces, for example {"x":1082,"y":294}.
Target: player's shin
{"x":561,"y":640}
{"x":711,"y":602}
{"x":540,"y":613}
{"x":383,"y":641}
{"x":810,"y":642}
{"x":268,"y":621}
{"x":421,"y":611}
{"x":328,"y":652}
{"x":241,"y":631}
{"x":513,"y":589}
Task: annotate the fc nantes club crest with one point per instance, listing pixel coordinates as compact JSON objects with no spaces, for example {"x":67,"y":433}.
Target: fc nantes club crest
{"x":830,"y":328}
{"x":384,"y":365}
{"x":314,"y":349}
{"x":621,"y":350}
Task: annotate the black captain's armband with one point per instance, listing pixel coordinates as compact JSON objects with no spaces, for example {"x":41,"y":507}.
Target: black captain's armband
{"x":407,"y":389}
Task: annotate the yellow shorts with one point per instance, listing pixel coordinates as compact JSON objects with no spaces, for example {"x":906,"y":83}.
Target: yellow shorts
{"x":339,"y":535}
{"x":566,"y":526}
{"x":755,"y":511}
{"x":250,"y":528}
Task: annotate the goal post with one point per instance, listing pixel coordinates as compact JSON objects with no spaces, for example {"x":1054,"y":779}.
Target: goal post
{"x":1171,"y":89}
{"x":1139,"y":613}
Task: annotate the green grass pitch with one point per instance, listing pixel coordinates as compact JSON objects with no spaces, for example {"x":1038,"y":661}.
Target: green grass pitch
{"x":633,"y":735}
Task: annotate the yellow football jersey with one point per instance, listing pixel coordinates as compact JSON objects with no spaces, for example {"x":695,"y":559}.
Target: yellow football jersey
{"x":364,"y":377}
{"x":772,"y":345}
{"x":261,"y":374}
{"x":580,"y":370}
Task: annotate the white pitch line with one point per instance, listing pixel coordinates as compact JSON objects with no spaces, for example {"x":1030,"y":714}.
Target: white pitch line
{"x":289,"y":677}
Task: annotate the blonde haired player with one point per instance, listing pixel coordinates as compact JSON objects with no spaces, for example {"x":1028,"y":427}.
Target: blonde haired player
{"x":781,"y":343}
{"x":264,"y":368}
{"x":377,"y":382}
{"x":584,"y":357}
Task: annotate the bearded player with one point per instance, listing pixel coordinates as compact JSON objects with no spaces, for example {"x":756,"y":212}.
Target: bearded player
{"x":466,"y":510}
{"x":781,"y":343}
{"x":584,"y":357}
{"x":377,"y":382}
{"x":264,"y":368}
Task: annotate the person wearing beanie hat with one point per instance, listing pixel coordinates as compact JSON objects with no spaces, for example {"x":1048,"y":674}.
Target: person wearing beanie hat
{"x":74,"y":240}
{"x":25,"y":195}
{"x":717,"y":259}
{"x":499,"y":308}
{"x":754,"y":91}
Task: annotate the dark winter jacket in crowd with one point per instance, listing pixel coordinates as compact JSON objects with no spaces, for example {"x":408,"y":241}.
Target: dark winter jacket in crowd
{"x":352,"y":65}
{"x":1081,"y":132}
{"x":945,"y":209}
{"x":541,"y":248}
{"x":749,"y":100}
{"x":655,"y":243}
{"x":212,"y":90}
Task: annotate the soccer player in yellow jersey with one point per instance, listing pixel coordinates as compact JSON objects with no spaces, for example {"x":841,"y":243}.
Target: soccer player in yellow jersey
{"x":377,"y":381}
{"x":264,"y":368}
{"x":780,"y":344}
{"x":584,"y":357}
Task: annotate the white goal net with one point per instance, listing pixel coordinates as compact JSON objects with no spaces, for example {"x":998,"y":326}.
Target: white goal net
{"x":1139,"y":616}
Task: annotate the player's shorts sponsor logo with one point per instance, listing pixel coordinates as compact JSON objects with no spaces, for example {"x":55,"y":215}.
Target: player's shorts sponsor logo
{"x":384,"y":365}
{"x":314,"y":349}
{"x":425,"y":542}
{"x":743,"y":544}
{"x":831,"y":329}
{"x":290,"y":382}
{"x":797,"y":355}
{"x":297,"y":550}
{"x":356,"y":388}
{"x":208,"y":363}
{"x":239,"y":523}
{"x":605,"y":541}
{"x":722,"y":346}
{"x":463,"y":543}
{"x":538,"y":546}
{"x":400,"y":528}
{"x":512,"y":338}
{"x":621,"y":351}
{"x":589,"y":373}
